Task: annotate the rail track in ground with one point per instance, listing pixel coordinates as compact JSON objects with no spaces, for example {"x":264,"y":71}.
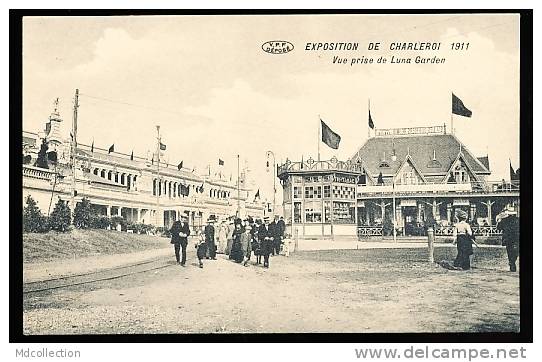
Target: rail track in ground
{"x":96,"y":276}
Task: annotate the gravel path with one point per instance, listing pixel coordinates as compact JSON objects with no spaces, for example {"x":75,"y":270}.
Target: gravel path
{"x":373,"y":290}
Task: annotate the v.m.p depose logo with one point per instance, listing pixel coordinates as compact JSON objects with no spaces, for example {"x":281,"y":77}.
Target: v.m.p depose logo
{"x":277,"y":47}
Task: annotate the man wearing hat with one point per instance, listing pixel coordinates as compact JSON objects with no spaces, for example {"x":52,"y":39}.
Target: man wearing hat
{"x":265,"y":234}
{"x":508,"y":223}
{"x":179,"y":237}
{"x":209,"y":232}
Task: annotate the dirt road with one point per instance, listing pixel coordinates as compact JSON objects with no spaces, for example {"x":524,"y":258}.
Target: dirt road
{"x":375,"y":290}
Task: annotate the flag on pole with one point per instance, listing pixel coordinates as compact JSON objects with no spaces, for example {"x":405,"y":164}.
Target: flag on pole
{"x":112,"y":148}
{"x":329,"y":137}
{"x":132,"y":156}
{"x":162,"y":147}
{"x":180,"y":166}
{"x":220,"y":162}
{"x":371,"y":123}
{"x":301,"y":161}
{"x":152,"y":160}
{"x":459,"y":108}
{"x":92,"y":147}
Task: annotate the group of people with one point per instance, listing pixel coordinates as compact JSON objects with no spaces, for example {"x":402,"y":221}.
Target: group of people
{"x":507,"y":222}
{"x":237,"y":238}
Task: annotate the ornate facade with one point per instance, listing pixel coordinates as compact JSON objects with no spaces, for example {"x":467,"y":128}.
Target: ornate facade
{"x":136,"y":188}
{"x":424,"y":171}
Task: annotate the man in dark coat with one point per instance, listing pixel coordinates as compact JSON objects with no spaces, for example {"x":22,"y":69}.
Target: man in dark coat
{"x":265,"y":234}
{"x":508,"y":223}
{"x":179,"y":238}
{"x":281,"y":229}
{"x":209,"y":232}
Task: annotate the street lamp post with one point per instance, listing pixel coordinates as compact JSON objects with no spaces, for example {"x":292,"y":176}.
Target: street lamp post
{"x":274,"y":176}
{"x":394,"y":158}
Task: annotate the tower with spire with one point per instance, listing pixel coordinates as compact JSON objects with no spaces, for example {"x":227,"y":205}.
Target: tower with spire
{"x":52,"y":128}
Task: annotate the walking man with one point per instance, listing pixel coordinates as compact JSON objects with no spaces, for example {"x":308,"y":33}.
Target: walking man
{"x":281,"y":228}
{"x":210,"y":238}
{"x":265,"y":234}
{"x":179,"y":238}
{"x":275,"y":246}
{"x":508,"y":223}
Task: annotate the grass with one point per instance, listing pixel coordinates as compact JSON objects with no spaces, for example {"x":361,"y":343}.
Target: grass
{"x":53,"y":245}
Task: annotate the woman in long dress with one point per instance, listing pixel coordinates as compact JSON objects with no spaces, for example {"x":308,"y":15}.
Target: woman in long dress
{"x":236,"y":252}
{"x":229,"y":237}
{"x":246,"y":244}
{"x":222,"y":237}
{"x":464,"y":241}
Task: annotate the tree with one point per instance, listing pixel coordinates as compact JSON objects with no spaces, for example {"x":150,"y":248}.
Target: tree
{"x":60,"y":218}
{"x":32,"y":216}
{"x":82,"y":214}
{"x":41,"y":161}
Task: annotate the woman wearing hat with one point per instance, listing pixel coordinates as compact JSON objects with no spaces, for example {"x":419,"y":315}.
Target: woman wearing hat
{"x":464,"y":241}
{"x":246,"y":247}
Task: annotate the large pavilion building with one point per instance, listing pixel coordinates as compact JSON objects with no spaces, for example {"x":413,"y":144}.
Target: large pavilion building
{"x":139,"y":189}
{"x":419,"y":176}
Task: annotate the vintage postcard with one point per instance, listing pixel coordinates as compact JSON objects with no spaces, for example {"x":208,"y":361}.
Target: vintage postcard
{"x":197,"y":174}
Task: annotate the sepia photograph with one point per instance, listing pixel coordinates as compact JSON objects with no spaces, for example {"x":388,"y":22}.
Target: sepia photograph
{"x":251,"y":174}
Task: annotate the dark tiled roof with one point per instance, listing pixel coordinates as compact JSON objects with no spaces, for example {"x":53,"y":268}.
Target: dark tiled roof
{"x":485,"y":161}
{"x":444,"y":147}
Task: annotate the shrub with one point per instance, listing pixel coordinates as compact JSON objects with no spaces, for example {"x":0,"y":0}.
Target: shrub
{"x":60,"y":218}
{"x":118,"y":220}
{"x":82,"y":214}
{"x":99,"y":221}
{"x":163,"y":231}
{"x":44,"y":224}
{"x":31,"y":216}
{"x":387,"y":227}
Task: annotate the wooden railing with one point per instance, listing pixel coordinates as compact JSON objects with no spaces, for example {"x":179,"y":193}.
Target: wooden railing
{"x":468,"y":187}
{"x":477,"y":230}
{"x":368,"y":231}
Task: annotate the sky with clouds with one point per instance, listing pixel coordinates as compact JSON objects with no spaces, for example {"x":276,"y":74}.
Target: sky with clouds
{"x":206,"y":81}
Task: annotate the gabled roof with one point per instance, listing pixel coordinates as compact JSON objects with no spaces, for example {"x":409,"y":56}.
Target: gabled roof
{"x":460,"y":157}
{"x":407,"y":160}
{"x":484,"y":161}
{"x":432,"y":154}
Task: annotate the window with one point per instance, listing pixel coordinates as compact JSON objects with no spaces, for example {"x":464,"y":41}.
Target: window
{"x":343,"y":212}
{"x":313,"y":192}
{"x":297,"y":212}
{"x":297,"y":192}
{"x":313,"y":211}
{"x":327,"y":191}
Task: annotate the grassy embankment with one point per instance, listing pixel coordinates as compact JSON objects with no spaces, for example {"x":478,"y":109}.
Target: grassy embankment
{"x":53,"y":245}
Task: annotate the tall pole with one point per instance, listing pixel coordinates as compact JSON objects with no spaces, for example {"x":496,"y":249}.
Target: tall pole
{"x":393,"y":212}
{"x":238,"y":190}
{"x":452,"y":123}
{"x":319,"y":126}
{"x":368,"y":127}
{"x":158,"y":183}
{"x":274,"y":179}
{"x":74,"y":145}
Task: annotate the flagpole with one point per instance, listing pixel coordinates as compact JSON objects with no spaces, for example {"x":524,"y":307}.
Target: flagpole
{"x":238,"y":190}
{"x":319,"y":126}
{"x":158,"y":183}
{"x":74,"y":145}
{"x":452,"y":116}
{"x":368,"y":127}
